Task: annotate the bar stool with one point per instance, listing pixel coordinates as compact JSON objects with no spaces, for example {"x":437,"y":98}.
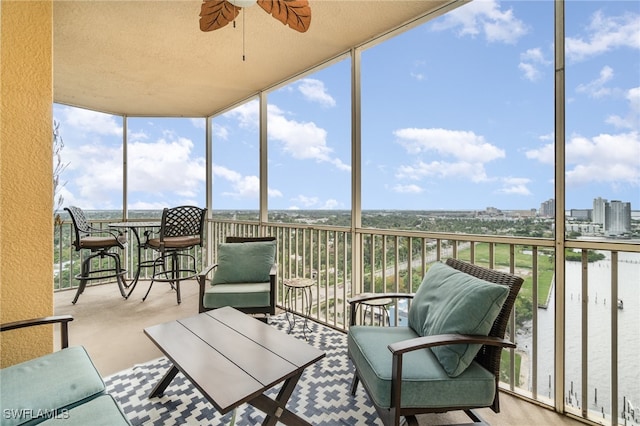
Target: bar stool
{"x":99,"y":242}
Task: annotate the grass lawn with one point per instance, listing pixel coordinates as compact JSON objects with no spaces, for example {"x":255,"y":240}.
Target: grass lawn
{"x":504,"y":368}
{"x":524,"y":261}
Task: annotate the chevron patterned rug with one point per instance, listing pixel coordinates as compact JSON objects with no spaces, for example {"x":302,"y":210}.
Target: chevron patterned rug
{"x":321,"y":397}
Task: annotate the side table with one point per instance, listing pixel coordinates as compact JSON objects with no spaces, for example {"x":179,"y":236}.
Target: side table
{"x":294,"y":286}
{"x":381,"y":306}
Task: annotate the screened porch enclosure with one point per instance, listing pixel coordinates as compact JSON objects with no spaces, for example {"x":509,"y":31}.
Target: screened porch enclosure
{"x":271,"y":150}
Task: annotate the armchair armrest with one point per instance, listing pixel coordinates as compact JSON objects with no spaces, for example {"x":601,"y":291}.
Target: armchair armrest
{"x":400,"y":348}
{"x":202,"y":283}
{"x":63,"y":320}
{"x":355,"y":301}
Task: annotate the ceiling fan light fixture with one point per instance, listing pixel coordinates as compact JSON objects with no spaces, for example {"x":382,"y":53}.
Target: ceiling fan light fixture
{"x":215,"y":14}
{"x":242,"y":3}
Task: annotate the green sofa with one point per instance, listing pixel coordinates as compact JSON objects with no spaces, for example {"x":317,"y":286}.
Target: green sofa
{"x":61,"y":388}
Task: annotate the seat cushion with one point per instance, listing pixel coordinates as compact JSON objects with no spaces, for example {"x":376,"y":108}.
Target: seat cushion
{"x":60,"y":380}
{"x":244,"y":262}
{"x":102,"y":242}
{"x":451,"y":301}
{"x":183,"y":242}
{"x":425,"y":382}
{"x":238,"y":295}
{"x":101,"y":411}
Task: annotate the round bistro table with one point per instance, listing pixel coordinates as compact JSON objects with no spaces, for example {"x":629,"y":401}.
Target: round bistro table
{"x":293,"y":287}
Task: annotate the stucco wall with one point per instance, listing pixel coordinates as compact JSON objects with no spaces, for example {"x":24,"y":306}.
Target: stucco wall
{"x":26,"y":189}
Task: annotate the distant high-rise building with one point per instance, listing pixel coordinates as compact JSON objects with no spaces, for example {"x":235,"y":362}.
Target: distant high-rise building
{"x":614,"y":216}
{"x":548,"y":208}
{"x":620,"y":218}
{"x":600,"y":206}
{"x":581,"y":214}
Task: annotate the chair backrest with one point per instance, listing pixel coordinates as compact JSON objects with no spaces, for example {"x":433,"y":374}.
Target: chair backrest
{"x":489,"y":356}
{"x":247,"y":239}
{"x":183,"y":221}
{"x":80,"y":224}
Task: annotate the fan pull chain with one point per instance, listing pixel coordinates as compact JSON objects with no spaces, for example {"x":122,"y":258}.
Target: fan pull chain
{"x":243,"y":27}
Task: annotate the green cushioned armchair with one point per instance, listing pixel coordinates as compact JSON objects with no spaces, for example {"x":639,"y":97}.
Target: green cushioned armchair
{"x":244,"y":277}
{"x":448,"y":357}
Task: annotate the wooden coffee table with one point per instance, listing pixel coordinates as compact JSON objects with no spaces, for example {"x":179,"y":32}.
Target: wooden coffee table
{"x":233,"y":358}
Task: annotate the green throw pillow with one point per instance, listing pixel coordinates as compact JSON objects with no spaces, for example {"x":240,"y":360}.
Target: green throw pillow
{"x":451,"y":301}
{"x":244,"y":262}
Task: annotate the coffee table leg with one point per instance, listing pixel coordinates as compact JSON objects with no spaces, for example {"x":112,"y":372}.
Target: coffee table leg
{"x":164,"y":382}
{"x":276,"y":409}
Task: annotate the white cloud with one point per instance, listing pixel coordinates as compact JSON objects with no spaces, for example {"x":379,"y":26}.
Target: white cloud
{"x":220,"y":132}
{"x":247,"y":114}
{"x":484,"y":18}
{"x":139,"y":136}
{"x":301,"y":140}
{"x":313,"y":203}
{"x":461,"y":170}
{"x":416,"y":72}
{"x":604,"y":34}
{"x":274,"y":193}
{"x":154,"y":168}
{"x":632,"y":120}
{"x":91,"y":122}
{"x":530,"y":63}
{"x":315,"y":91}
{"x":94,"y":172}
{"x":606,"y":158}
{"x":165,"y":166}
{"x":463,"y":145}
{"x":545,"y":154}
{"x":331,"y":204}
{"x":407,"y":189}
{"x":530,"y":71}
{"x":198,"y":123}
{"x":596,"y":88}
{"x":470,"y":153}
{"x":306,"y":201}
{"x":515,"y":186}
{"x":547,"y":137}
{"x":244,"y":187}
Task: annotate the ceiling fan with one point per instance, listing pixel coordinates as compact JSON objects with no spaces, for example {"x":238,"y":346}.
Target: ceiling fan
{"x":215,"y":14}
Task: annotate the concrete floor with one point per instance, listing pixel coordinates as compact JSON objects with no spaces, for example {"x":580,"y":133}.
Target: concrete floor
{"x":111,"y":329}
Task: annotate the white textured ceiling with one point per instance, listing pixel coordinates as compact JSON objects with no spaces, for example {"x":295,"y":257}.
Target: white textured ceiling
{"x":149,"y":57}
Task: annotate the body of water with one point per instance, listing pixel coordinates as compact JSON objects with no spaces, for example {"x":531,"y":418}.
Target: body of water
{"x":598,"y":304}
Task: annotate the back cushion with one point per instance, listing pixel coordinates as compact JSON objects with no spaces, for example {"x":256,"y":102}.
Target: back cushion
{"x":451,"y":301}
{"x":244,"y":262}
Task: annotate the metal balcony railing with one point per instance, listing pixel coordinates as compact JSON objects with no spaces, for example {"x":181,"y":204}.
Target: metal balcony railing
{"x":600,"y":301}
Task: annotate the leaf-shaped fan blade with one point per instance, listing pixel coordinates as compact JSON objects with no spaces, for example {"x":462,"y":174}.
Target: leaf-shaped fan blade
{"x":215,"y":14}
{"x":295,"y":13}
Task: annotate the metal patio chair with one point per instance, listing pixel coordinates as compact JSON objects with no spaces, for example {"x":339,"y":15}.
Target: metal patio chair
{"x":99,"y":242}
{"x":181,"y":229}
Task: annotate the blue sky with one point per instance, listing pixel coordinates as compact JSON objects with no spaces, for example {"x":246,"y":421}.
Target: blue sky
{"x":456,"y":114}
